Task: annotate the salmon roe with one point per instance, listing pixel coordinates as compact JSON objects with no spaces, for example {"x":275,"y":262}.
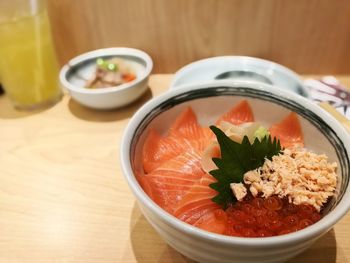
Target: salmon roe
{"x":273,"y":216}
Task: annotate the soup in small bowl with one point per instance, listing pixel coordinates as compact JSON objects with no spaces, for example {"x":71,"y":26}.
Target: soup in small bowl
{"x":107,"y":78}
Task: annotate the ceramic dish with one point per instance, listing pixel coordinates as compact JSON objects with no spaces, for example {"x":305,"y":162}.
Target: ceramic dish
{"x":322,"y":133}
{"x":239,"y":68}
{"x":77,"y":71}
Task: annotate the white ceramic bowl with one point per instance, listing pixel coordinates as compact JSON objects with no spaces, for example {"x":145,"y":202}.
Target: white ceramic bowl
{"x":78,"y":70}
{"x":239,"y":68}
{"x":322,"y":133}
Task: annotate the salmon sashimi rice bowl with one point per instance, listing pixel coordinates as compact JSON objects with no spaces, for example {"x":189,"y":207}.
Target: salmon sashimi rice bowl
{"x":237,"y":176}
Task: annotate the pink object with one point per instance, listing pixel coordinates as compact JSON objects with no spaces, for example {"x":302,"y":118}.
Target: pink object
{"x":330,"y":90}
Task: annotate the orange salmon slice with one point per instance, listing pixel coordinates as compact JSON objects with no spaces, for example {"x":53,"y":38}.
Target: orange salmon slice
{"x":158,"y":149}
{"x":288,"y":131}
{"x":167,"y":184}
{"x":239,"y":114}
{"x":186,"y":125}
{"x":184,"y":135}
{"x":197,"y":208}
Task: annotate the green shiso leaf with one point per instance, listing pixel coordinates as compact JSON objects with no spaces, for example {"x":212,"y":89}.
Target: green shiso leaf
{"x":237,"y":159}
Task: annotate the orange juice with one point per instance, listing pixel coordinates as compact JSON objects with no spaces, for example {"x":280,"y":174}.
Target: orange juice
{"x":28,"y":67}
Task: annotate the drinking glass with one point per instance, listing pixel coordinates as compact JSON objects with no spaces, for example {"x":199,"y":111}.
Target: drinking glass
{"x":28,"y":66}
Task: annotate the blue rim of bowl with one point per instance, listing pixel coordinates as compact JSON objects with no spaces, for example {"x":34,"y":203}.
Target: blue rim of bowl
{"x":77,"y":61}
{"x":267,"y":93}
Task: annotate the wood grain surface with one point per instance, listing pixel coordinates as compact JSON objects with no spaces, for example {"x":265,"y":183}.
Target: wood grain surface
{"x":309,"y":36}
{"x":63,"y":197}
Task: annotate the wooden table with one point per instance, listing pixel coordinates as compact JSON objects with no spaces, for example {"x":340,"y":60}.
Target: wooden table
{"x":63,"y":198}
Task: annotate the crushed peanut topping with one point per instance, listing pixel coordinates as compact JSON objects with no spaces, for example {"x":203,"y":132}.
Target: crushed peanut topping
{"x":302,"y":176}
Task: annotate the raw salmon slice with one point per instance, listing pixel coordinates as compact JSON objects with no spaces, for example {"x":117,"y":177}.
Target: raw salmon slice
{"x":240,"y":113}
{"x":158,"y":149}
{"x":288,"y":131}
{"x":215,"y":221}
{"x":197,"y":208}
{"x":167,"y":184}
{"x":184,"y":135}
{"x":186,"y":126}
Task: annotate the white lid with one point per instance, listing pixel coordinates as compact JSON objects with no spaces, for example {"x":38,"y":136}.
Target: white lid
{"x":240,"y":68}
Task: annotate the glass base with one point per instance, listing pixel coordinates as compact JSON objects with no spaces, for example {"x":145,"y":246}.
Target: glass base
{"x":38,"y":106}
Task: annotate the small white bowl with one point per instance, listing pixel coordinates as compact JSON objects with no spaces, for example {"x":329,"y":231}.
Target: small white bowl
{"x":78,"y":70}
{"x":322,"y":134}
